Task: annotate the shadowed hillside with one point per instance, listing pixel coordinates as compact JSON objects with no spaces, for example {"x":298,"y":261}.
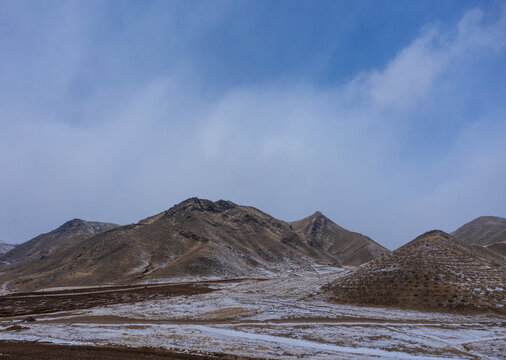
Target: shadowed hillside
{"x":349,"y":248}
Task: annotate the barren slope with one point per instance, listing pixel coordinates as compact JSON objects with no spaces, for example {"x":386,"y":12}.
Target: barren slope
{"x":434,"y":271}
{"x":487,"y":234}
{"x":194,"y":238}
{"x":70,"y":233}
{"x":498,"y":248}
{"x":483,"y":231}
{"x":349,"y":248}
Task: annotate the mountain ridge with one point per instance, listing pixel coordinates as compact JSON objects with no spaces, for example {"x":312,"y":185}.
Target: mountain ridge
{"x":67,"y":234}
{"x":484,"y":230}
{"x":194,"y":238}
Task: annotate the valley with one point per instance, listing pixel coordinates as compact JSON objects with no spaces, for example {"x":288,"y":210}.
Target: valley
{"x":286,"y":317}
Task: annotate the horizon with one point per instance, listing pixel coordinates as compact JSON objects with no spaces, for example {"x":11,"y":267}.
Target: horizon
{"x":114,"y":111}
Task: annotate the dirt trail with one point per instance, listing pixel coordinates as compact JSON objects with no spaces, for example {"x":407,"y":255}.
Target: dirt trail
{"x":341,"y":320}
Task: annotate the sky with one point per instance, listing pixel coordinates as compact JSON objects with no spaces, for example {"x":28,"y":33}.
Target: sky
{"x":389,"y":117}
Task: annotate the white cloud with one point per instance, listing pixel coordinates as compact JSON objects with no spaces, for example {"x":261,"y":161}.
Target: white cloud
{"x":289,"y":150}
{"x":415,"y":70}
{"x":409,"y":76}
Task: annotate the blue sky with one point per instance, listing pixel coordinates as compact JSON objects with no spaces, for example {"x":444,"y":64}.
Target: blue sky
{"x":389,"y":117}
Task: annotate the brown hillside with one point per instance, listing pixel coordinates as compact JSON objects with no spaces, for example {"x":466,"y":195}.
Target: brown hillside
{"x":70,"y":233}
{"x":434,"y":271}
{"x":498,"y":248}
{"x":483,"y":231}
{"x":349,"y":248}
{"x":196,"y":238}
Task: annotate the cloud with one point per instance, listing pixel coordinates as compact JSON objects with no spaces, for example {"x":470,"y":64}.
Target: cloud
{"x":416,"y":69}
{"x":367,"y":153}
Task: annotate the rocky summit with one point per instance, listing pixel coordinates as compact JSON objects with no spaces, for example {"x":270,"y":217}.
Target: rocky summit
{"x":349,"y":248}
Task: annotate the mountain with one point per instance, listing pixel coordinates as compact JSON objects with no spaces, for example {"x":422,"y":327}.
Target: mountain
{"x":196,"y":238}
{"x":485,"y":230}
{"x":488,"y":232}
{"x":349,"y":248}
{"x":435,"y":272}
{"x":498,"y":248}
{"x":4,"y":247}
{"x":70,"y":233}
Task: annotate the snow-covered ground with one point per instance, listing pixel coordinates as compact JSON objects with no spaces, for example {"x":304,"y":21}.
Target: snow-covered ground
{"x":281,"y":318}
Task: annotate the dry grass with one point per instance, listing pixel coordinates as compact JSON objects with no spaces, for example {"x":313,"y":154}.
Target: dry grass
{"x":432,"y":272}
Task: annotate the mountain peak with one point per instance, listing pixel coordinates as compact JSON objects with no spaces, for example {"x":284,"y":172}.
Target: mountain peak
{"x":433,"y":233}
{"x":489,"y":218}
{"x":72,"y":224}
{"x":484,"y":230}
{"x":348,"y":247}
{"x":318,"y":214}
{"x":196,"y":204}
{"x":429,"y":238}
{"x":75,"y":221}
{"x":70,"y":233}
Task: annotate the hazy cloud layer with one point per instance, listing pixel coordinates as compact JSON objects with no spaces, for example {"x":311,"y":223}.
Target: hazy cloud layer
{"x":398,"y":150}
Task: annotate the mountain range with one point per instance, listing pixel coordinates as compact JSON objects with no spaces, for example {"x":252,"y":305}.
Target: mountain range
{"x":195,"y":238}
{"x":199,"y":238}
